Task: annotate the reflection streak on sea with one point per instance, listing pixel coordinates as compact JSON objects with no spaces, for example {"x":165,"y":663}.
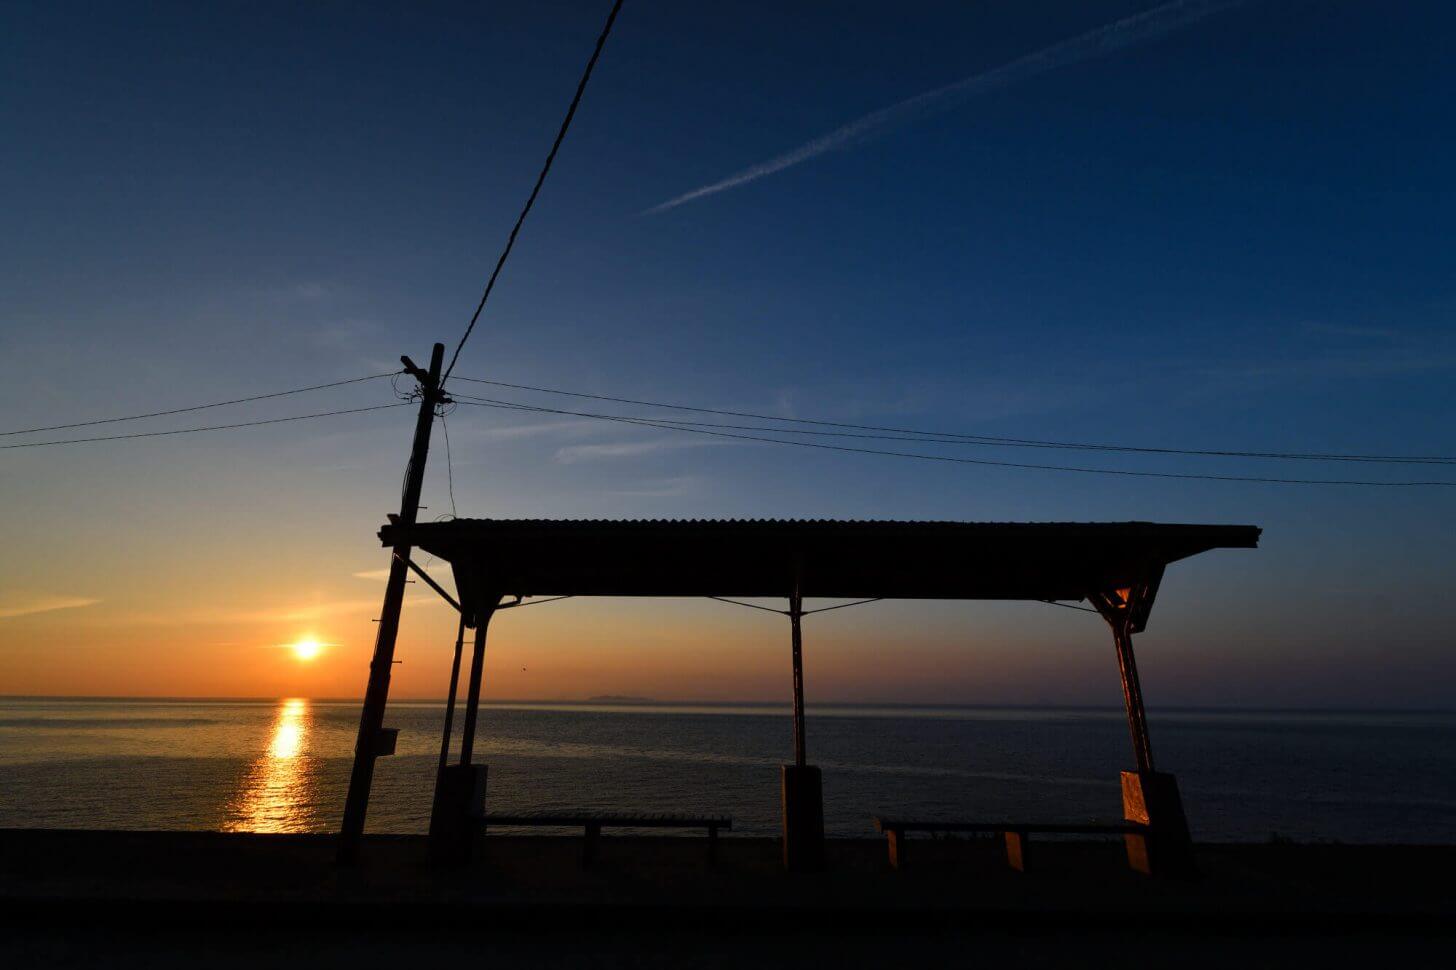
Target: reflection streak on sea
{"x":277,"y":794}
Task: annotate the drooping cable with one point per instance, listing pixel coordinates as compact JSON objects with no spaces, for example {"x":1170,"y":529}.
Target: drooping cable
{"x":197,"y":407}
{"x":536,"y":189}
{"x":960,"y":460}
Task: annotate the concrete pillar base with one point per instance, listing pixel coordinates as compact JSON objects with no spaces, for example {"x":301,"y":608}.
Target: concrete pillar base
{"x":457,"y":820}
{"x":1166,"y":849}
{"x":803,"y":802}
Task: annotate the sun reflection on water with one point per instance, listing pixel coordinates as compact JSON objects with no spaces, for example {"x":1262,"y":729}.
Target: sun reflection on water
{"x":277,"y":793}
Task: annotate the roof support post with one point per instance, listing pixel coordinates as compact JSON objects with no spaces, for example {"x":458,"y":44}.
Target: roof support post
{"x":796,"y":614}
{"x":457,"y":820}
{"x":1150,"y":798}
{"x":1126,"y":612}
{"x":450,"y":700}
{"x":1132,"y":699}
{"x":477,"y":664}
{"x":376,"y":693}
{"x":801,"y":786}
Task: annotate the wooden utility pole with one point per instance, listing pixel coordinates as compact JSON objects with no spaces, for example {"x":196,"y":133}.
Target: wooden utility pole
{"x":376,"y":695}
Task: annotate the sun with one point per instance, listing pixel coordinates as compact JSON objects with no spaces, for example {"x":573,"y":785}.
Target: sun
{"x":306,"y":648}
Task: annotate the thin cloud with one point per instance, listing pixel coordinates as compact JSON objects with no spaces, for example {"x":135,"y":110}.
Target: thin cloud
{"x":27,"y":605}
{"x":624,"y":449}
{"x":300,"y":613}
{"x":1101,"y":42}
{"x":575,"y":427}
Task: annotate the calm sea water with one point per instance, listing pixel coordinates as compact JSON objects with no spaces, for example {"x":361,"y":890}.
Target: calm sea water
{"x":283,"y":766}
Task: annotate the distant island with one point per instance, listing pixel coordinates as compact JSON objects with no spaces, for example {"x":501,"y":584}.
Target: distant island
{"x":620,"y":699}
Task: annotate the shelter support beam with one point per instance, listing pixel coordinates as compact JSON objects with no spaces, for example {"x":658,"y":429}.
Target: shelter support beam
{"x":449,"y":729}
{"x":458,"y":819}
{"x":1149,"y":797}
{"x":1132,"y":699}
{"x":796,"y":617}
{"x":801,"y":784}
{"x":381,"y":666}
{"x":472,"y":700}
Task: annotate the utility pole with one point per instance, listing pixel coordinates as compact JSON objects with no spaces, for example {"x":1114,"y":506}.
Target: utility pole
{"x":376,"y":695}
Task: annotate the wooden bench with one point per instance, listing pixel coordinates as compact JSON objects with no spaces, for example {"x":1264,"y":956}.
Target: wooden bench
{"x":1017,"y":834}
{"x":593,"y":825}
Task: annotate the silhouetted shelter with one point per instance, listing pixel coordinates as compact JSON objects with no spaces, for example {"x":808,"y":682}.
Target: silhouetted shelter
{"x":1116,"y":567}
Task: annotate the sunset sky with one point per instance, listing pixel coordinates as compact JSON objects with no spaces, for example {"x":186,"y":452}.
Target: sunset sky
{"x":1233,"y":233}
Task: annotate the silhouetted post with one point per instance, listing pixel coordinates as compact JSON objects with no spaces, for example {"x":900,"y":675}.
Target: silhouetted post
{"x":1150,"y":798}
{"x":458,"y":819}
{"x":376,"y":694}
{"x":801,"y":785}
{"x":796,"y":616}
{"x":450,"y":699}
{"x":472,"y":700}
{"x":1132,"y":698}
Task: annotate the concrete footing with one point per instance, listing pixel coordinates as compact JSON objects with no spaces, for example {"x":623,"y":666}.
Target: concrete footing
{"x":457,"y":820}
{"x":803,"y":803}
{"x":1151,"y":798}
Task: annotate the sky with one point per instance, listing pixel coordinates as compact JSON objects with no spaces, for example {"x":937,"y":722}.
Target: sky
{"x":1195,"y":225}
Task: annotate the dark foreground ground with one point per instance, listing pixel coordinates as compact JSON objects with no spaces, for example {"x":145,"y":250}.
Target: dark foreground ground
{"x":182,"y":899}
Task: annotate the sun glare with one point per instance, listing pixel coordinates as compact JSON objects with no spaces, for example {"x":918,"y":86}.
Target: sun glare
{"x":306,"y":648}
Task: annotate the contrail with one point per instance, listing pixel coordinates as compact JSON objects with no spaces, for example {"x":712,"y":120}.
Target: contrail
{"x":1099,"y":42}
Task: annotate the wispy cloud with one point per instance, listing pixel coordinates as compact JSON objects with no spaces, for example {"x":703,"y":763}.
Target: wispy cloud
{"x":292,"y":613}
{"x":22,"y":604}
{"x":542,"y":429}
{"x":625,"y":449}
{"x":1101,"y":42}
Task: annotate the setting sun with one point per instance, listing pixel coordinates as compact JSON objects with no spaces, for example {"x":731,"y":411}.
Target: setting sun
{"x":306,"y":648}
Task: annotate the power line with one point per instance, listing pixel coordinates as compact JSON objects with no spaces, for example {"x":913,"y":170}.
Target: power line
{"x":536,"y":190}
{"x":197,"y":407}
{"x":215,"y":427}
{"x":648,"y":423}
{"x":908,"y":436}
{"x":449,"y":466}
{"x":954,"y":437}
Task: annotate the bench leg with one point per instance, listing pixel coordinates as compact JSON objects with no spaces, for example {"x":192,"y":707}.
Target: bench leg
{"x":895,"y":838}
{"x":589,"y":846}
{"x":1016,"y":848}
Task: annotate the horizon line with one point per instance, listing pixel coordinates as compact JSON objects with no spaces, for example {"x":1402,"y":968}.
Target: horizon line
{"x":654,"y":702}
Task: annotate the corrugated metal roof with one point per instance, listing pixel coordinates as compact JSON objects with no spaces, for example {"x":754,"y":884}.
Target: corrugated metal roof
{"x":825,"y":557}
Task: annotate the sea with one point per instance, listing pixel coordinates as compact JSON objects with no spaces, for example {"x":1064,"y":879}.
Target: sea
{"x":283,"y":766}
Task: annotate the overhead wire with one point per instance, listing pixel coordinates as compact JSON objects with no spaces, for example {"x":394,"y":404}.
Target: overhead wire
{"x":449,"y":466}
{"x":924,"y":438}
{"x":1010,"y":442}
{"x":198,"y":407}
{"x":215,"y":427}
{"x":536,"y":189}
{"x":956,"y":459}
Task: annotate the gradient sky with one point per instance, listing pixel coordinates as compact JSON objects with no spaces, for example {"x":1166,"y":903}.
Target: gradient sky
{"x":1234,"y":235}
